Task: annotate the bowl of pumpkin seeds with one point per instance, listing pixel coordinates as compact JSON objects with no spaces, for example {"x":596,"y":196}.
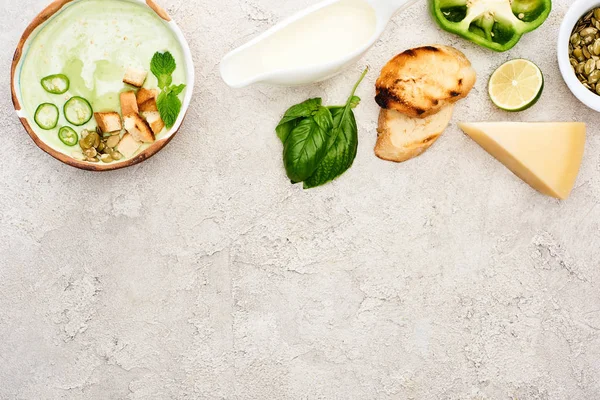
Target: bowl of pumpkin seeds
{"x":579,"y":51}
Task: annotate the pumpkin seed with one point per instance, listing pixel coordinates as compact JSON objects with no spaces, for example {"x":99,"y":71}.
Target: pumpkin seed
{"x":584,"y":50}
{"x":586,"y":53}
{"x":113,"y":141}
{"x":590,"y":66}
{"x":116,"y":155}
{"x":91,"y":152}
{"x":573,"y":62}
{"x":84,"y":144}
{"x":589,"y":31}
{"x":596,"y":47}
{"x":594,"y":77}
{"x":106,"y":158}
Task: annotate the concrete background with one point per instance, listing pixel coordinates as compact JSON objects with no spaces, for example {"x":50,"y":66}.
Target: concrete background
{"x":203,"y":274}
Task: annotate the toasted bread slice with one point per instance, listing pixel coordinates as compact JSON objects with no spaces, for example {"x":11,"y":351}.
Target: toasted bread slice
{"x":108,"y":121}
{"x":421,"y":81}
{"x":143,"y":95}
{"x":128,"y":146}
{"x":154,"y":120}
{"x":138,"y":128}
{"x":135,"y":77}
{"x":128,"y":103}
{"x":402,"y":138}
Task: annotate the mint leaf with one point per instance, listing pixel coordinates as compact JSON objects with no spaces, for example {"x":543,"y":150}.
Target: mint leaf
{"x":177,"y":89}
{"x":162,"y":66}
{"x":164,"y":81}
{"x":169,"y":107}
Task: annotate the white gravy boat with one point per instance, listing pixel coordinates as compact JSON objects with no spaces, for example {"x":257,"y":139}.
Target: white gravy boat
{"x":242,"y":66}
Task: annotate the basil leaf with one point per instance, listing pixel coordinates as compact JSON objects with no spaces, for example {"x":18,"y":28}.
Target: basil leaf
{"x":341,"y":152}
{"x":292,"y":117}
{"x":286,"y":127}
{"x":354,"y":102}
{"x":343,"y":143}
{"x":306,"y":145}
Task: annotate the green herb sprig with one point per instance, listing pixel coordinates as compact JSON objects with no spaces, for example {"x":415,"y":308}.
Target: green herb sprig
{"x":169,"y":106}
{"x":319,"y":143}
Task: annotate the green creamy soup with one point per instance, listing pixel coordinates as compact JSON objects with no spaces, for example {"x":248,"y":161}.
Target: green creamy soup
{"x":93,"y":42}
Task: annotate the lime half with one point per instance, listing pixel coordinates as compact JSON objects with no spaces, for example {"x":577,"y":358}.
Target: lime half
{"x":516,"y":85}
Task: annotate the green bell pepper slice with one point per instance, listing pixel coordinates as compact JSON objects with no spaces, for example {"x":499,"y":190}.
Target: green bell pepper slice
{"x":495,"y":24}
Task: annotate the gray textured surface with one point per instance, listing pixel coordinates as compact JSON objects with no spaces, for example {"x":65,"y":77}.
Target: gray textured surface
{"x":202,"y":274}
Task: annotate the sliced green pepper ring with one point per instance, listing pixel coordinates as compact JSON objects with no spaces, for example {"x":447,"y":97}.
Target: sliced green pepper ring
{"x":46,"y":116}
{"x":495,"y":24}
{"x":68,"y":136}
{"x":56,"y":84}
{"x":78,"y":111}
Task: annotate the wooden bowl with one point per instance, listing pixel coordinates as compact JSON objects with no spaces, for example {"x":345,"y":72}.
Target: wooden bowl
{"x":35,"y":26}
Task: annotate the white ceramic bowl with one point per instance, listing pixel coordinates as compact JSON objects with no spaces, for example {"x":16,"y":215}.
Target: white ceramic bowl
{"x":37,"y":24}
{"x":576,"y":11}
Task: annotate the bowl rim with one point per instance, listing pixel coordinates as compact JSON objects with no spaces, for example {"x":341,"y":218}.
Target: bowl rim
{"x":575,"y":12}
{"x":45,"y":15}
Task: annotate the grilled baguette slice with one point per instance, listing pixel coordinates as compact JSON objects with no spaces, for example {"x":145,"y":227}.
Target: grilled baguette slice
{"x":421,"y":81}
{"x":401,"y":137}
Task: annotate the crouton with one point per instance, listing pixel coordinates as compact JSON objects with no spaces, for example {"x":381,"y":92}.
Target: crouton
{"x":128,"y":103}
{"x":128,"y":146}
{"x":155,"y":121}
{"x":108,"y":121}
{"x":135,"y":77}
{"x":146,"y":99}
{"x":149,"y":106}
{"x":138,"y":128}
{"x":143,"y":95}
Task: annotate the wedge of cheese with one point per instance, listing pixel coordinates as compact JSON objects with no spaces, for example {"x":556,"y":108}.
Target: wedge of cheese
{"x":545,"y":155}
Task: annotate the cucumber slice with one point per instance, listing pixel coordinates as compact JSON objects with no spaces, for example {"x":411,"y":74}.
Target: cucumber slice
{"x":78,"y":111}
{"x":46,"y":116}
{"x":56,"y":84}
{"x":68,"y":136}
